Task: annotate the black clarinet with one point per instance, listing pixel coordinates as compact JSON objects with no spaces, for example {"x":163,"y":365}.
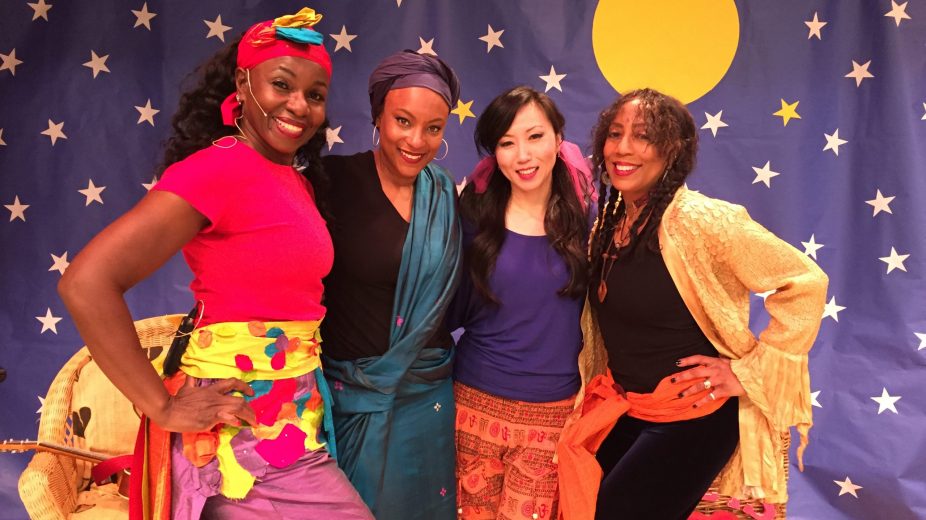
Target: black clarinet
{"x":180,"y":342}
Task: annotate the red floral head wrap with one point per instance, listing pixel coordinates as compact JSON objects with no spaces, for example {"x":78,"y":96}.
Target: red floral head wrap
{"x":290,"y":35}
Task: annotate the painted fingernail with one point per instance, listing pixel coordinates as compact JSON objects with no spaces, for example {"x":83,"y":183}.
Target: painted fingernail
{"x":672,"y":380}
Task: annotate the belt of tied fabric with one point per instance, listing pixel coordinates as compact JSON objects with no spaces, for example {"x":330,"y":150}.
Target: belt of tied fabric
{"x":270,"y":357}
{"x":603,"y":404}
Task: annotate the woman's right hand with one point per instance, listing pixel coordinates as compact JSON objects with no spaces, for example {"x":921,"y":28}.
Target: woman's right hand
{"x":198,"y":409}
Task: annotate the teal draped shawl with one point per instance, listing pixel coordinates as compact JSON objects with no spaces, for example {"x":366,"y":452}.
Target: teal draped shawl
{"x":394,"y":414}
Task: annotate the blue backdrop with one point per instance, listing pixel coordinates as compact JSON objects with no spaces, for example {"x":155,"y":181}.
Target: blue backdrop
{"x":819,"y":129}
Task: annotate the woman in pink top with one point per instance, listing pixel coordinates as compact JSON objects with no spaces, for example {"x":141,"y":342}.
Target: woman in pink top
{"x":243,"y":427}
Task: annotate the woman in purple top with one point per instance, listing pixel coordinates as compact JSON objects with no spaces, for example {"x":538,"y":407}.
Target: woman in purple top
{"x":524,"y":225}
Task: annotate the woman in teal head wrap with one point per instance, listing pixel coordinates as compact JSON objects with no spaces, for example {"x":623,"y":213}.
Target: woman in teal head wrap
{"x":397,"y":249}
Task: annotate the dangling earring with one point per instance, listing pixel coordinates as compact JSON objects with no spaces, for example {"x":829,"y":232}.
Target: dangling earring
{"x":663,"y":180}
{"x":375,"y":140}
{"x":442,"y":157}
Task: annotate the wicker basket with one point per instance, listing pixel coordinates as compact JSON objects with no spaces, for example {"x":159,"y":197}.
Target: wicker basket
{"x":51,"y":484}
{"x":720,"y":506}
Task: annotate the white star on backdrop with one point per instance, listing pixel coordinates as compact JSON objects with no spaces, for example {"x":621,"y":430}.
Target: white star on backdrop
{"x":764,"y":174}
{"x":60,"y":262}
{"x":492,"y":39}
{"x":859,"y":72}
{"x":886,"y":401}
{"x":811,"y":247}
{"x":143,"y":17}
{"x":398,"y":3}
{"x":9,"y":61}
{"x":146,"y":113}
{"x":427,"y":47}
{"x":41,"y":10}
{"x":815,"y":25}
{"x":846,"y":486}
{"x":713,"y":122}
{"x":924,"y":113}
{"x":343,"y":39}
{"x":17,"y":209}
{"x":92,"y":193}
{"x":97,"y":63}
{"x":149,"y":185}
{"x":880,"y":203}
{"x":55,"y":131}
{"x":922,"y":337}
{"x":813,"y":399}
{"x":833,"y":142}
{"x":41,"y":404}
{"x":49,"y":322}
{"x":831,"y":309}
{"x":332,"y":135}
{"x":895,"y":261}
{"x":898,"y":12}
{"x":217,"y":29}
{"x":553,"y":80}
{"x":2,"y":142}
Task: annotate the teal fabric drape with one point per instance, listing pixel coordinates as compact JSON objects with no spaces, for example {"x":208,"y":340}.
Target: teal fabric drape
{"x":394,"y":414}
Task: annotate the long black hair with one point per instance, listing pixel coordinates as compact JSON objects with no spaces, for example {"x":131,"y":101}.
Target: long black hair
{"x":564,"y":220}
{"x":198,"y":120}
{"x":671,"y":129}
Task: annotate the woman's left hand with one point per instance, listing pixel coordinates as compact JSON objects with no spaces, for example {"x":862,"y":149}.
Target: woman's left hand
{"x":717,"y":374}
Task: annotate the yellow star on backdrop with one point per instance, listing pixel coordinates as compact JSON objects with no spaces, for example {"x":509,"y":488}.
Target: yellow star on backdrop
{"x":787,"y":112}
{"x":463,"y":110}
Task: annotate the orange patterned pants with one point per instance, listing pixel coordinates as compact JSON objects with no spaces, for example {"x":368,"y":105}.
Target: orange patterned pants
{"x":505,"y":449}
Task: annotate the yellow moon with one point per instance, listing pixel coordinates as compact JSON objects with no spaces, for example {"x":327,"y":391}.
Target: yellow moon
{"x":680,"y":47}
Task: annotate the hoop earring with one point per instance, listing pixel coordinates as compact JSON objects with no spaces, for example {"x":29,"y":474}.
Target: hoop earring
{"x":375,"y":140}
{"x":444,"y":141}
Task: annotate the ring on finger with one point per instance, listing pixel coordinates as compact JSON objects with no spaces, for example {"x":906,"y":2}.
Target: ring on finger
{"x":712,"y":396}
{"x":707,"y":384}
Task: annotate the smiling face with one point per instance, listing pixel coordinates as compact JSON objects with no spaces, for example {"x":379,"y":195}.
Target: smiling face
{"x":292,"y":91}
{"x":411,"y":127}
{"x":527,"y":152}
{"x":633,"y":163}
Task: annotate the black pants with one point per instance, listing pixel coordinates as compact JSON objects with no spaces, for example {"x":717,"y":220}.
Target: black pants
{"x":660,"y":471}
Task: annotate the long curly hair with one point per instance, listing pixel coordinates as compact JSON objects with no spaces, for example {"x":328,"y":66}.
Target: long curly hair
{"x":564,"y":220}
{"x":198,"y":120}
{"x":671,"y":129}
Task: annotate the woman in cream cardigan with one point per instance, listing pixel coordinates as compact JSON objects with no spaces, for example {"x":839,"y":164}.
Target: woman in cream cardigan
{"x":694,"y":392}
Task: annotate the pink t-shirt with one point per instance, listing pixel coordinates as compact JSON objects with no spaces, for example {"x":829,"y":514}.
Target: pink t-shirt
{"x":266,"y":248}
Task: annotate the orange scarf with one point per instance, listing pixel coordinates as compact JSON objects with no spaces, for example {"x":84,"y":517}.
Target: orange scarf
{"x":579,"y":472}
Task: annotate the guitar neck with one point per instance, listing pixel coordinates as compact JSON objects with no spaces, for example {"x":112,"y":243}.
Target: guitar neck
{"x":58,"y":449}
